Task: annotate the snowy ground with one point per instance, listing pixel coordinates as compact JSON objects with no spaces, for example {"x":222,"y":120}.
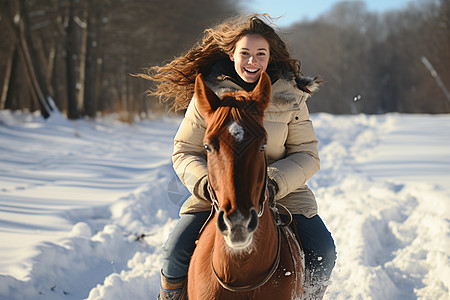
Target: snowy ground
{"x":85,"y":206}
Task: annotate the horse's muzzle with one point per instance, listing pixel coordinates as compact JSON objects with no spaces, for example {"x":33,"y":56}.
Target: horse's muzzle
{"x":237,"y":229}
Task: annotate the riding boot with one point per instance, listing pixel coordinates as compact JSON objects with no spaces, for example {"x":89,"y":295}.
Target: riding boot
{"x":172,"y":290}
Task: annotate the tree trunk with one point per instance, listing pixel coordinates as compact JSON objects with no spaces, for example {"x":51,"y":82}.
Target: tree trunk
{"x":82,"y":71}
{"x":11,"y":63}
{"x":90,"y":69}
{"x":10,"y":84}
{"x":72,"y":107}
{"x":28,"y":53}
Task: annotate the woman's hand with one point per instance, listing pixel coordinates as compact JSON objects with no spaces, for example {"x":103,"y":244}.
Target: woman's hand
{"x":271,"y":191}
{"x":202,"y":189}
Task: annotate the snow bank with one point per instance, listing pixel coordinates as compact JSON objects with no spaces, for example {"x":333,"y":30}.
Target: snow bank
{"x":85,"y":206}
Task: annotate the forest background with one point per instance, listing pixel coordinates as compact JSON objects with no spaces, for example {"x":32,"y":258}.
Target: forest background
{"x":77,"y":56}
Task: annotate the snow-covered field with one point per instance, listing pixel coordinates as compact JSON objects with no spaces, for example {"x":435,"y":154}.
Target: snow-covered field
{"x":85,"y":206}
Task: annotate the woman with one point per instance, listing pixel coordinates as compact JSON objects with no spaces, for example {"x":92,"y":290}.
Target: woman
{"x":232,"y":57}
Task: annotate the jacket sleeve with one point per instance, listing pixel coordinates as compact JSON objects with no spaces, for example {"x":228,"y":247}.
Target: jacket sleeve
{"x":189,"y":156}
{"x":302,"y":155}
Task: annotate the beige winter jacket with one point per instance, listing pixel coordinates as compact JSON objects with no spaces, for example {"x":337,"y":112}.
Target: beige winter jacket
{"x":291,"y":150}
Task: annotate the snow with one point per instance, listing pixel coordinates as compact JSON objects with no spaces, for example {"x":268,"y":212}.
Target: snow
{"x":86,"y":205}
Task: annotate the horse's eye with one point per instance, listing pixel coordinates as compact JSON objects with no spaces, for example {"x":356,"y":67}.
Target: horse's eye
{"x":263,"y":147}
{"x":208,"y":148}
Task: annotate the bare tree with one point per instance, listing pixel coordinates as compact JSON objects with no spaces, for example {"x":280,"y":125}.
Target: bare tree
{"x":17,"y":16}
{"x":82,"y":52}
{"x":373,"y":63}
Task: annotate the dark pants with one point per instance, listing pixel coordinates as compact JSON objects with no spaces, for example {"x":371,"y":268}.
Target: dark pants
{"x":318,"y":244}
{"x":180,"y":245}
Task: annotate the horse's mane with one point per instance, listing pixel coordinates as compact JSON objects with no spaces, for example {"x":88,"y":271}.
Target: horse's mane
{"x":237,"y":107}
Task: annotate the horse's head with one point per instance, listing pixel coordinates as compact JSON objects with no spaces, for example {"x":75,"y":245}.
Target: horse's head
{"x":235,"y":140}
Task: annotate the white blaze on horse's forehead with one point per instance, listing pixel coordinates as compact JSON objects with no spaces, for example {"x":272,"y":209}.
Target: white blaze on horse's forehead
{"x":236,"y":130}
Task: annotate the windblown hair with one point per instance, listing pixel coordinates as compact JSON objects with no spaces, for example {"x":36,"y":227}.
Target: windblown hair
{"x":176,"y":79}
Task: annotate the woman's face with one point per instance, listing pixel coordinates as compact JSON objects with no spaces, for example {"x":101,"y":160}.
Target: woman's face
{"x":251,"y":57}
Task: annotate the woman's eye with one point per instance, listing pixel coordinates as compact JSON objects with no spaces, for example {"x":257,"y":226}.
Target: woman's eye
{"x":208,"y":148}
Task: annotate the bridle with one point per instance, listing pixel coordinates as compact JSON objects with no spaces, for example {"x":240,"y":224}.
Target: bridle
{"x":276,"y":262}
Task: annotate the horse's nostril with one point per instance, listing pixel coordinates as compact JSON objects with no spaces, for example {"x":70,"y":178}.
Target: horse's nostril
{"x":221,"y":221}
{"x":253,"y":224}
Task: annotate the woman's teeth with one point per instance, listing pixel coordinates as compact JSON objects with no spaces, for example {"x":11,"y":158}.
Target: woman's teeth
{"x":250,"y":70}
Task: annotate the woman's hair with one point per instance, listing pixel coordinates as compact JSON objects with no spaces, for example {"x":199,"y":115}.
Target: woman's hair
{"x":176,"y":79}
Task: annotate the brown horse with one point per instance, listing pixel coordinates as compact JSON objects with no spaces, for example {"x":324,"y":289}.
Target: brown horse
{"x":245,"y":254}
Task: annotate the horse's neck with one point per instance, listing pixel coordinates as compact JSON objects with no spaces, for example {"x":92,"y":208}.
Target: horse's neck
{"x":238,"y":266}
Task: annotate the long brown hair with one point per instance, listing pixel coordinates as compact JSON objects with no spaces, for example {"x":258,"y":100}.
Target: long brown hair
{"x":176,"y":79}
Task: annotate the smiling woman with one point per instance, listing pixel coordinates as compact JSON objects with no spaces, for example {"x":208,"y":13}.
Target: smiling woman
{"x":234,"y":58}
{"x":174,"y":81}
{"x":251,"y":57}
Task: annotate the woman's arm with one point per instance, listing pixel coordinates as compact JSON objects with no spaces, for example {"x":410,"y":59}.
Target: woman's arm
{"x":302,"y":155}
{"x":189,"y":156}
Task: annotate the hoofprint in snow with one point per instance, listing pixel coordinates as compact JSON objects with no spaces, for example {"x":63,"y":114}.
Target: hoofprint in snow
{"x":85,"y":206}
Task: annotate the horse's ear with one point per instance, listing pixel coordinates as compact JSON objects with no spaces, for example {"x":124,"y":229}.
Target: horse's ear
{"x":262,"y":93}
{"x":207,"y":100}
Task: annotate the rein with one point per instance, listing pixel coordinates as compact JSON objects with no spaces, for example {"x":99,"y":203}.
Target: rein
{"x":258,"y":284}
{"x":215,"y":203}
{"x":262,"y":197}
{"x":276,"y":262}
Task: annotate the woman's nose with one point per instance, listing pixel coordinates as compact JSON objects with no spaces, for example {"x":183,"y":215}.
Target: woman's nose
{"x":251,"y":60}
